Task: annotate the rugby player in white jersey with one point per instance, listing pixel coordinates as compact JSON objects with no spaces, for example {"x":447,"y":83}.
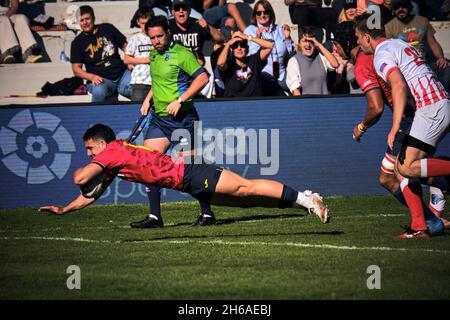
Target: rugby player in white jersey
{"x":405,"y":70}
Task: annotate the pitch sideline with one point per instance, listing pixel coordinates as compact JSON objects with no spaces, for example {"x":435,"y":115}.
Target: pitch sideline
{"x":241,"y":243}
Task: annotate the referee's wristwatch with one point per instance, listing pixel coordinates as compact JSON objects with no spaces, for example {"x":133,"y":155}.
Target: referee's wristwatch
{"x":179,"y":100}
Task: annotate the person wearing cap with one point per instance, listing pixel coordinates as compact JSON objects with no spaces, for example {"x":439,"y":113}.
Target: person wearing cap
{"x":190,"y":32}
{"x":353,"y":8}
{"x":348,"y":13}
{"x":417,"y":31}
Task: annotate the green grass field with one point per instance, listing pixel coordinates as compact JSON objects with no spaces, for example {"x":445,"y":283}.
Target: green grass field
{"x":250,"y":254}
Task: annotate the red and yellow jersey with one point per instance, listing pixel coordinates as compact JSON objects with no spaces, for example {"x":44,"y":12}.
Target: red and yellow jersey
{"x":141,"y":164}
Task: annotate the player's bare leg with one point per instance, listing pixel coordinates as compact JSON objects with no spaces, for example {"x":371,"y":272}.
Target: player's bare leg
{"x":235,"y":185}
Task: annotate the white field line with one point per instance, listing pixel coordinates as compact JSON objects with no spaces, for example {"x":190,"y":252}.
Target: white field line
{"x":235,"y":243}
{"x":172,"y":224}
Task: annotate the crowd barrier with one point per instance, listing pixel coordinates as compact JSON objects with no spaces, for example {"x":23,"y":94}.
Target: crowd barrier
{"x":306,"y":143}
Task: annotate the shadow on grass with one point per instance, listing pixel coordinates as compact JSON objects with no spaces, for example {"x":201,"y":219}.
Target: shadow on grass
{"x":220,"y":236}
{"x":247,"y":218}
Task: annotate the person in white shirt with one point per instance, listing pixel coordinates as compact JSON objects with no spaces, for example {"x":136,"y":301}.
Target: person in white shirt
{"x":137,"y":55}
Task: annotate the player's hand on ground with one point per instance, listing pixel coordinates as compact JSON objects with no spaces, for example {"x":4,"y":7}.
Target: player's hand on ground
{"x":173,"y":108}
{"x":96,"y":80}
{"x":53,"y":209}
{"x":357,"y":134}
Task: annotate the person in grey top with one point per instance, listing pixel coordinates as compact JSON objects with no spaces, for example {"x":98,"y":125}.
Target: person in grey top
{"x":307,"y":70}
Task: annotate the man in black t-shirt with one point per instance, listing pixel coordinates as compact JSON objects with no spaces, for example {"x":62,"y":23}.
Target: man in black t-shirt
{"x":96,"y":47}
{"x":189,"y":32}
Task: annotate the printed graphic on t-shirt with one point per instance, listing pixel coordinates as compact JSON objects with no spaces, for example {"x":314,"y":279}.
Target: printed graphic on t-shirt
{"x":244,"y":74}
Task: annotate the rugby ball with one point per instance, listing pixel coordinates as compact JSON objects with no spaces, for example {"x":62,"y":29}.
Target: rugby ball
{"x":95,"y":187}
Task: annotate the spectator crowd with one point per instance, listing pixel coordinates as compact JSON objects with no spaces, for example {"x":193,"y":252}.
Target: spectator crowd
{"x":247,"y":59}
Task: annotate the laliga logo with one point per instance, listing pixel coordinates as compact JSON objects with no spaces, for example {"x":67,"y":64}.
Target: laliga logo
{"x":36,"y":147}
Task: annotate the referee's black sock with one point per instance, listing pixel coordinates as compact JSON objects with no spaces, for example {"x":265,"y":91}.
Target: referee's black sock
{"x":205,"y":208}
{"x":288,"y":197}
{"x":205,"y":204}
{"x":154,"y":199}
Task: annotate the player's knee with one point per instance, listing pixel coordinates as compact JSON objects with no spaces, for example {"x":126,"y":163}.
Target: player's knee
{"x":405,"y":170}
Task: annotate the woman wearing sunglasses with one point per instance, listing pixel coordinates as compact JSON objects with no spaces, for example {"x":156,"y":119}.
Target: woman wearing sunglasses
{"x":241,"y":73}
{"x":263,"y":26}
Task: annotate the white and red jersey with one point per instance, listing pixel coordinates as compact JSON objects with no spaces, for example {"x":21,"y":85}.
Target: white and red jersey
{"x":396,"y":54}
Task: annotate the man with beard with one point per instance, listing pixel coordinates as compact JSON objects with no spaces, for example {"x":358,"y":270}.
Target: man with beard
{"x":418,"y":32}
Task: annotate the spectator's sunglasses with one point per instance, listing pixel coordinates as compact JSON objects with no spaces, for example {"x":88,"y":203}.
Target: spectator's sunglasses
{"x":243,"y":44}
{"x":260,"y":13}
{"x":181,"y":7}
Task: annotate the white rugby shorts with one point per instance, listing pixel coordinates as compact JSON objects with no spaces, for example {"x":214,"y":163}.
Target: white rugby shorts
{"x":432,"y":122}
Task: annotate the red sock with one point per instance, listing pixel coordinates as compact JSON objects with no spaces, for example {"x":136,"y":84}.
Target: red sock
{"x":413,"y":196}
{"x":437,"y":167}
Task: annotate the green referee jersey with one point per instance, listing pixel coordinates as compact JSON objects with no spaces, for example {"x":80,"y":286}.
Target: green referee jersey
{"x":172,"y":73}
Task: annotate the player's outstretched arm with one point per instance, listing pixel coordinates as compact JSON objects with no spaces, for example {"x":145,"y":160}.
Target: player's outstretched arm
{"x":79,"y":203}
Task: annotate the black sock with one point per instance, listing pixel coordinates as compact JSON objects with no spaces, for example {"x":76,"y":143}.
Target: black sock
{"x":154,"y":199}
{"x":288,"y":197}
{"x":398,"y":194}
{"x":205,"y":204}
{"x":442,"y":182}
{"x":205,"y":208}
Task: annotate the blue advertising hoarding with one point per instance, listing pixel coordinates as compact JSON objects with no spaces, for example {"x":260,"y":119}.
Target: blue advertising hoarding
{"x":306,"y":143}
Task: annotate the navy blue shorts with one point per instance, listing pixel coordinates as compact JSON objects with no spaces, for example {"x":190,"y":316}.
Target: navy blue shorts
{"x":405,"y":126}
{"x":201,"y":179}
{"x":160,"y":127}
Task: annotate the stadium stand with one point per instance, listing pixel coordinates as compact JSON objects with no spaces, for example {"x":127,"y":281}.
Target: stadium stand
{"x":20,"y":82}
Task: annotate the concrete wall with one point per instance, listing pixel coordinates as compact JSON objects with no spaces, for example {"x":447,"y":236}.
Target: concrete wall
{"x":23,"y":79}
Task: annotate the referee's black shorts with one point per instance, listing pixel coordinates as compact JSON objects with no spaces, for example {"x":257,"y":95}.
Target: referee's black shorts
{"x":200,"y":178}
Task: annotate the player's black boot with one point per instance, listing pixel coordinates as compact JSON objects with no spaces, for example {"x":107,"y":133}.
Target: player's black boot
{"x":148,"y":222}
{"x":205,"y":220}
